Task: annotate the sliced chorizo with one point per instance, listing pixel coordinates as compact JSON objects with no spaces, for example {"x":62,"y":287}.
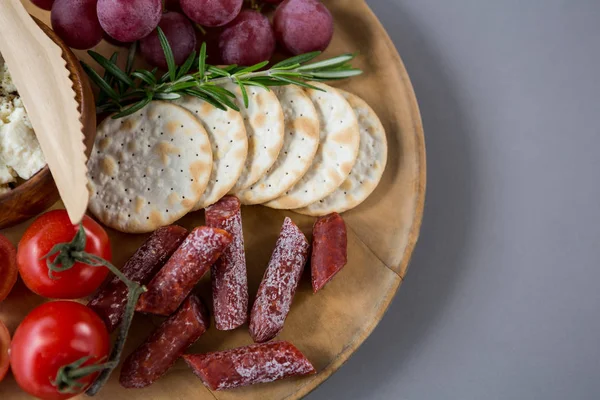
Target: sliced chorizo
{"x":228,"y":275}
{"x":172,"y":284}
{"x":110,"y":301}
{"x":329,"y":249}
{"x":165,"y":345}
{"x":279,"y":283}
{"x":257,"y":363}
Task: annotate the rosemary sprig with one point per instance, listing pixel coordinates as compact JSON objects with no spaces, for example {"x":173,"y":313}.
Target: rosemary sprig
{"x":126,"y":91}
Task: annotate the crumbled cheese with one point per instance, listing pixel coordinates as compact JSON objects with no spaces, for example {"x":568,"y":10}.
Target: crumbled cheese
{"x":7,"y":174}
{"x":6,"y":84}
{"x":20,"y":151}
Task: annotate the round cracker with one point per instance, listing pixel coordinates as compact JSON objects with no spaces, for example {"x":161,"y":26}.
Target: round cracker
{"x":368,"y":169}
{"x":264,"y":126}
{"x":299,"y":147}
{"x":337,"y":152}
{"x":229,"y":144}
{"x":148,"y":169}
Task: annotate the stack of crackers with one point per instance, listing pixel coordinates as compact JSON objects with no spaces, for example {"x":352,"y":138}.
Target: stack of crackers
{"x":306,"y":150}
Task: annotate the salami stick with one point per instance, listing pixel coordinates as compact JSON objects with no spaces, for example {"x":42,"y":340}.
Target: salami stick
{"x":109,"y":303}
{"x":258,"y":363}
{"x":228,"y":274}
{"x":165,"y":345}
{"x":277,"y":289}
{"x":181,"y":273}
{"x":329,"y":249}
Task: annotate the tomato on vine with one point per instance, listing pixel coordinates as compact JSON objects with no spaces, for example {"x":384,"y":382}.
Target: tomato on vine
{"x":57,"y":350}
{"x":73,"y":276}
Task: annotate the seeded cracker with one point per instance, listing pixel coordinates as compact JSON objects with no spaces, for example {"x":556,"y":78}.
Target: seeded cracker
{"x":148,"y":169}
{"x":338,"y":149}
{"x":264,"y":126}
{"x":229,"y":144}
{"x":369,"y":167}
{"x":301,"y":140}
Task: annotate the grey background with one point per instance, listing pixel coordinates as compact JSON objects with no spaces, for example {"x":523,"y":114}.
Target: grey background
{"x":502,"y":299}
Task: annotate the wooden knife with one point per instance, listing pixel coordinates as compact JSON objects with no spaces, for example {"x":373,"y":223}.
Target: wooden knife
{"x":39,"y":72}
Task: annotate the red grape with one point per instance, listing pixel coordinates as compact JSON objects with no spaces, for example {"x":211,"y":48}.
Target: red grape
{"x":44,"y":4}
{"x":211,"y":12}
{"x":129,"y":20}
{"x":248,"y":40}
{"x":180,"y":35}
{"x":172,"y":5}
{"x":76,"y":22}
{"x":302,"y":26}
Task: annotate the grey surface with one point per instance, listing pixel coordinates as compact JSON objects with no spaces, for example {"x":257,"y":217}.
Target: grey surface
{"x":502,"y":299}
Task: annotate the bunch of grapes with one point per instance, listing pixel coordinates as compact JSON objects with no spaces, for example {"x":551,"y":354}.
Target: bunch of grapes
{"x":235,"y":35}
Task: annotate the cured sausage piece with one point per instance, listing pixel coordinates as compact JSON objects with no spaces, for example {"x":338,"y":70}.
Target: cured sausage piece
{"x":181,"y":273}
{"x":257,"y":363}
{"x":277,"y":289}
{"x":165,"y":345}
{"x":109,"y":303}
{"x":329,"y":249}
{"x":228,"y":274}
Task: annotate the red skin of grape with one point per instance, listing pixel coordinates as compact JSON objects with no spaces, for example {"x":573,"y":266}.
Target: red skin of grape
{"x":180,"y":35}
{"x":302,"y":26}
{"x":76,"y":23}
{"x":43,"y":4}
{"x":129,"y":20}
{"x":211,"y":12}
{"x":172,"y":5}
{"x":248,"y":40}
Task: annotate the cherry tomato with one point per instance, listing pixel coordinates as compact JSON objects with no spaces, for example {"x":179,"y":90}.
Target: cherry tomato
{"x":53,"y":335}
{"x":8,"y":267}
{"x":52,"y":228}
{"x":4,"y":345}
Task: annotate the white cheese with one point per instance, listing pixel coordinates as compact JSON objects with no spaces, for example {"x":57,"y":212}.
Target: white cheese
{"x":20,"y":151}
{"x":7,"y":174}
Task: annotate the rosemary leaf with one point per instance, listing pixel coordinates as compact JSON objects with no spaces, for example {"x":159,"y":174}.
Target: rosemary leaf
{"x":145,"y":76}
{"x":164,"y":43}
{"x":167,"y":96}
{"x":187,"y":65}
{"x":202,"y":60}
{"x":206,"y":98}
{"x":111,"y":67}
{"x":299,"y":59}
{"x":134,"y":108}
{"x":252,"y":68}
{"x":101,"y":83}
{"x":130,"y":57}
{"x":335,"y":61}
{"x":327,"y":75}
{"x":298,"y":83}
{"x":244,"y":92}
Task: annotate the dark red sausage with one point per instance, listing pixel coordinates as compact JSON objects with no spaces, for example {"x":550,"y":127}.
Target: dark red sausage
{"x":258,"y":363}
{"x":277,"y":289}
{"x":165,"y":345}
{"x":329,"y":249}
{"x":181,"y":273}
{"x":109,"y":303}
{"x":228,"y":274}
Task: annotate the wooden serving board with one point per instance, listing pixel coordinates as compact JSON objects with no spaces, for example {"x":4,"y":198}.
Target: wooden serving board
{"x":382,"y":232}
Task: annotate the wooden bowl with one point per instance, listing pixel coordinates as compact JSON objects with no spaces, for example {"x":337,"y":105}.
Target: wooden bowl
{"x":38,"y":193}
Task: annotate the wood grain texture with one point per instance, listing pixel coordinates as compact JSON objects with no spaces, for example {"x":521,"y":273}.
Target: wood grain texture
{"x":38,"y":193}
{"x":329,"y":326}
